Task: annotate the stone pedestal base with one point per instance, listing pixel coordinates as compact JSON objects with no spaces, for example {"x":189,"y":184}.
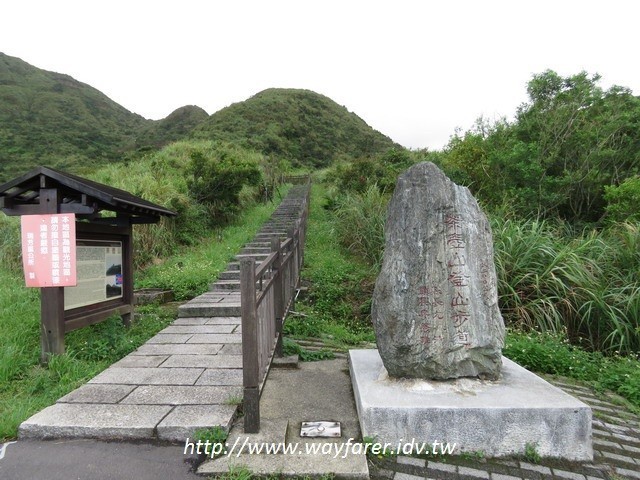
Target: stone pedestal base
{"x":499,"y":418}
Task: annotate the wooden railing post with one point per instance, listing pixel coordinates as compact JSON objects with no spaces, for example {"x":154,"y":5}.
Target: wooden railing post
{"x":299,"y":238}
{"x":293,"y":267}
{"x":278,"y":302}
{"x":250,"y":352}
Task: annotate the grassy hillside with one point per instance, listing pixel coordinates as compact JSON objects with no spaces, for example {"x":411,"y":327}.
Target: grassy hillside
{"x":50,"y":118}
{"x":176,"y":126}
{"x":299,"y":125}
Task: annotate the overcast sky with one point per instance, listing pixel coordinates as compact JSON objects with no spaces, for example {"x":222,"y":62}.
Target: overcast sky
{"x":414,"y":70}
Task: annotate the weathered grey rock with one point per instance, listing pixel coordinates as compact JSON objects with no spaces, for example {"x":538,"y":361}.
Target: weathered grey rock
{"x":435,"y":307}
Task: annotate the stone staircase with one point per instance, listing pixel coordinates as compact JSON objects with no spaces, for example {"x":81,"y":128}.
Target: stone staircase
{"x":223,"y":297}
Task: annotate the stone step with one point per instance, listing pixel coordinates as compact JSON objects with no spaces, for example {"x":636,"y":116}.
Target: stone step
{"x":235,"y":267}
{"x":229,"y":275}
{"x":209,"y":310}
{"x":279,"y":225}
{"x":225,"y":285}
{"x":212,"y":304}
{"x":250,"y":250}
{"x":290,"y":362}
{"x":269,"y":236}
{"x":256,"y":256}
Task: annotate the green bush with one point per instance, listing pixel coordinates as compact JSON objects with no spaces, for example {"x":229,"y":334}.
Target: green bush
{"x":552,"y":353}
{"x":190,"y":272}
{"x":215,"y":176}
{"x":381,"y":170}
{"x":158,"y":178}
{"x":565,"y":147}
{"x":359,"y":175}
{"x":623,"y":201}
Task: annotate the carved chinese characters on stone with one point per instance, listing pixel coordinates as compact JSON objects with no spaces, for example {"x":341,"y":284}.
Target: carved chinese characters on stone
{"x":430,"y":310}
{"x":435,"y":307}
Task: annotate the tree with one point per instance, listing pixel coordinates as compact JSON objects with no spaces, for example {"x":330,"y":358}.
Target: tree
{"x":569,"y":142}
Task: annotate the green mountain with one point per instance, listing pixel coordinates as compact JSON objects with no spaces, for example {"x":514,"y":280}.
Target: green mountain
{"x":50,"y":118}
{"x":176,"y":126}
{"x":300,"y":125}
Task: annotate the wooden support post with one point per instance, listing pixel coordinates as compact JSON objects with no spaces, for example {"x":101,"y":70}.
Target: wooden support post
{"x":293,"y":266}
{"x":250,"y":352}
{"x":298,"y":242}
{"x":278,"y":303}
{"x":127,"y":273}
{"x":51,"y":298}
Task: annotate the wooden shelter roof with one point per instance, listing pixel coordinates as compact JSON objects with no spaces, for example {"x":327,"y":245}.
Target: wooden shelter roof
{"x":21,"y":196}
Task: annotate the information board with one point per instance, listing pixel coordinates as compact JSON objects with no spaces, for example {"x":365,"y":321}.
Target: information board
{"x":48,"y":253}
{"x":99,"y":275}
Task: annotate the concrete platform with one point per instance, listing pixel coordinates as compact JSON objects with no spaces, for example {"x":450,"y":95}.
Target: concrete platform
{"x":498,"y":418}
{"x":314,"y":391}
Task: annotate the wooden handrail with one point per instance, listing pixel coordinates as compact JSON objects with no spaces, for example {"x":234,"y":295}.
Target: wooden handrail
{"x":263,"y":309}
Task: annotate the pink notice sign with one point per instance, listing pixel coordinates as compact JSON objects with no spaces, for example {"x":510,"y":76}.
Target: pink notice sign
{"x":49,"y":250}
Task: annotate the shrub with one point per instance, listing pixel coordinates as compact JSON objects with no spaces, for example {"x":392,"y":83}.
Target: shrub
{"x":158,"y":178}
{"x":216,"y":175}
{"x":551,"y":353}
{"x":623,"y":200}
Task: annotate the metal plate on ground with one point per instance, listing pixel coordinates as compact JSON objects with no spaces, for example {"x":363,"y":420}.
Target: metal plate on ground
{"x":320,"y":429}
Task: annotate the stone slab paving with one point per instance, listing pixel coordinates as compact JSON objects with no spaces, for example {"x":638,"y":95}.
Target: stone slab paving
{"x":616,"y":445}
{"x":177,"y":382}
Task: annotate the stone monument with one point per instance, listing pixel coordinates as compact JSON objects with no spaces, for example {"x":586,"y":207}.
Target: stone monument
{"x":438,"y":374}
{"x":435,"y":306}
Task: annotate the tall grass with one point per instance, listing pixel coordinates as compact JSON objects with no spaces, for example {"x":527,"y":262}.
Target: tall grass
{"x":360,"y":223}
{"x":10,"y":254}
{"x":338,"y":303}
{"x":586,"y":285}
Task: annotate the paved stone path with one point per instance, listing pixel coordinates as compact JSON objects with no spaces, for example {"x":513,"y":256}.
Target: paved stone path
{"x":616,"y":444}
{"x":188,"y":376}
